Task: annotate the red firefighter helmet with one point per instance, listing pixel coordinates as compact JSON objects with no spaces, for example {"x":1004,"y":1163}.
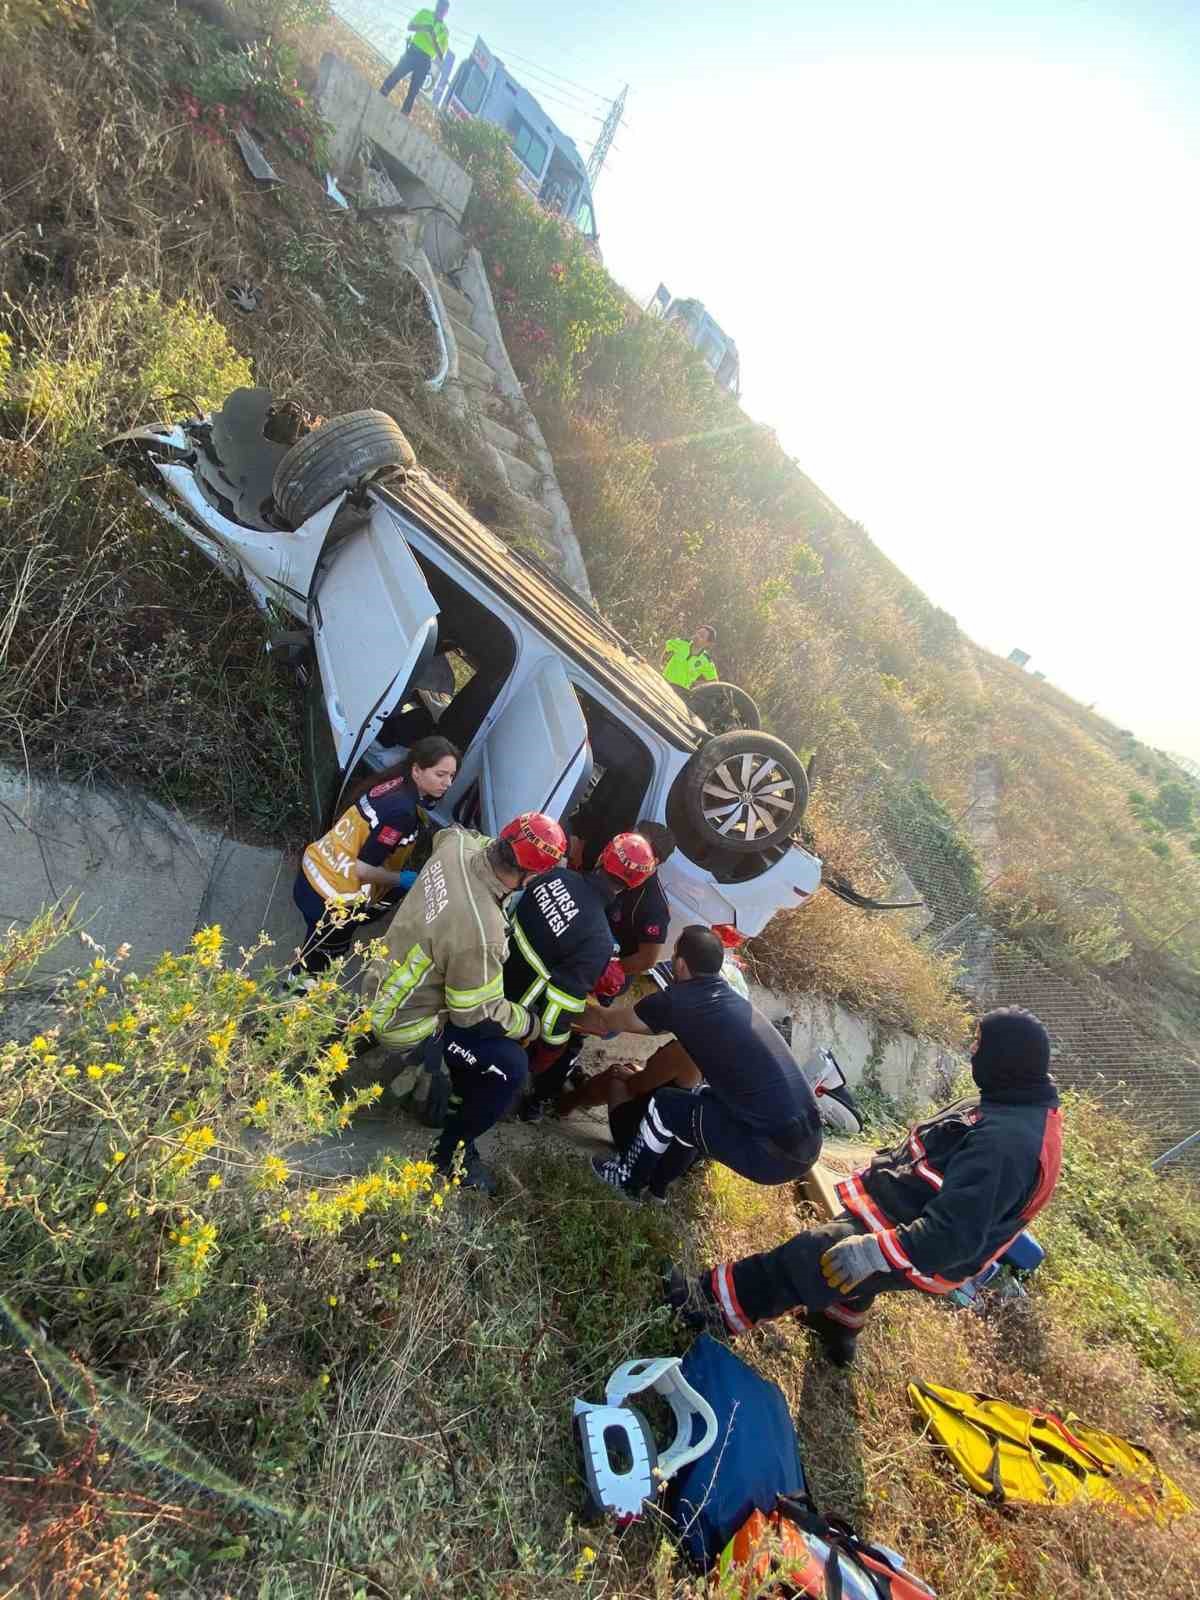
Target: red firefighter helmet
{"x":537,"y":841}
{"x":628,"y":858}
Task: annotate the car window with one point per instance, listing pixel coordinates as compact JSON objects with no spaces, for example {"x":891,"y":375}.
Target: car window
{"x":470,"y":86}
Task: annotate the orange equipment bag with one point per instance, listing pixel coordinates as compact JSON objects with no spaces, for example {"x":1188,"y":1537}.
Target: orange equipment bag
{"x":806,"y":1554}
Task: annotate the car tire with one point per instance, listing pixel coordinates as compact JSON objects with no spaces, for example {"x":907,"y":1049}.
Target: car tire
{"x":743,"y":792}
{"x":344,"y":453}
{"x":724,"y":707}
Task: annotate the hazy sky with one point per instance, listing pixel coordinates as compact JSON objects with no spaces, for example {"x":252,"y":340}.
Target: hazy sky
{"x":959,"y":249}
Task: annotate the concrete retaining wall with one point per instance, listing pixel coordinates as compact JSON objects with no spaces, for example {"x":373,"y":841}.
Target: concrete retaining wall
{"x":355,"y":110}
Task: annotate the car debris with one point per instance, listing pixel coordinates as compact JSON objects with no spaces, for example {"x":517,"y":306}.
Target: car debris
{"x":257,"y":164}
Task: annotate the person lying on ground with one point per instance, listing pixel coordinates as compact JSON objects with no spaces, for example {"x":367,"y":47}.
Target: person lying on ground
{"x":755,"y":1111}
{"x":355,"y":872}
{"x":928,"y":1214}
{"x":562,"y":947}
{"x":444,"y":972}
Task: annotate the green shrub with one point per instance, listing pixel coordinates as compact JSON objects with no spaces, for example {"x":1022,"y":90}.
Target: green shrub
{"x":555,"y":301}
{"x":123,"y":352}
{"x":146,"y":1135}
{"x":1123,"y":1249}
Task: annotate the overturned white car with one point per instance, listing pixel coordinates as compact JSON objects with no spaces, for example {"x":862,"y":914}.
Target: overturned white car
{"x":414,"y":616}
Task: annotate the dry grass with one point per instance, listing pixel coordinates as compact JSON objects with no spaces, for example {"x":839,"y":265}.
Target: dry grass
{"x":126,"y":657}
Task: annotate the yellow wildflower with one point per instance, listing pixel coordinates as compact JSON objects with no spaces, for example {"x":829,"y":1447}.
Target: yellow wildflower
{"x":373,"y":1264}
{"x":337,"y":1058}
{"x":71,"y":1072}
{"x":118,"y":1157}
{"x":285,"y":1215}
{"x":113,"y":1066}
{"x":333,"y":1300}
{"x":215,"y":1181}
{"x":396,"y":1258}
{"x":94,"y":1072}
{"x":272,"y":1171}
{"x":260,"y":1107}
{"x":40,"y":1045}
{"x":100,"y":1207}
{"x":324,"y":1380}
{"x":437,"y":1200}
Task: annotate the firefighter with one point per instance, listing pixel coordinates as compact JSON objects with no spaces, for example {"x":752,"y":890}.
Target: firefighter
{"x":928,"y":1214}
{"x":563,"y":949}
{"x":445,"y":964}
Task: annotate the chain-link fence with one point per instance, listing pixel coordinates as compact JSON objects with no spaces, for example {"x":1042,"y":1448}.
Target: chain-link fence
{"x":1102,"y":1044}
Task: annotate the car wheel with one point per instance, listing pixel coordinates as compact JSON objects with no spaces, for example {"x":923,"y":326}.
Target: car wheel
{"x":743,"y":792}
{"x":723,"y":707}
{"x":343,"y":454}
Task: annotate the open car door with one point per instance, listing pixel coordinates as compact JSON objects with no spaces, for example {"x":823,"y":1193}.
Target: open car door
{"x":534,"y":757}
{"x":374,"y":628}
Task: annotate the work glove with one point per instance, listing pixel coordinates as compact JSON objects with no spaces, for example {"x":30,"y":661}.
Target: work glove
{"x":851,"y":1262}
{"x":611,"y":981}
{"x":437,"y":1102}
{"x":534,"y":1032}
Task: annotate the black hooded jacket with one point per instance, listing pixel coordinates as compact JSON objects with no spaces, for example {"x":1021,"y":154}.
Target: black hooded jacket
{"x":952,"y":1195}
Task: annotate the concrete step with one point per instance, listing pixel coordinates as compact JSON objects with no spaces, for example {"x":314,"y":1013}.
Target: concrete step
{"x":474,"y":372}
{"x":468,"y":339}
{"x":455,"y":300}
{"x":503,"y":438}
{"x":523,"y":478}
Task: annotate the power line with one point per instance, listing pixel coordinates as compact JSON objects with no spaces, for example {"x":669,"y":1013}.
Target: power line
{"x":551,"y":92}
{"x":511,"y":55}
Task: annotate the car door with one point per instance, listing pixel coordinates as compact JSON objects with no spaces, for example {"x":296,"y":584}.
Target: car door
{"x":374,"y":628}
{"x":534,"y":757}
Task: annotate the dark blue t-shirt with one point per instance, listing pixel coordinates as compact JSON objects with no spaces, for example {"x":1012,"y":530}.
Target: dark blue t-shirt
{"x":745,"y":1061}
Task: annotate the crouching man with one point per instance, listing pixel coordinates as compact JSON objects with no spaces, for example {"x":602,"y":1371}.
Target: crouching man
{"x":754,"y":1111}
{"x":928,"y":1214}
{"x":446,"y":946}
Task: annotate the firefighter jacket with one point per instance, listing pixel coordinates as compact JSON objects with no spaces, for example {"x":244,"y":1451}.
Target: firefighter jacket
{"x":953,"y":1195}
{"x":446,"y":948}
{"x":561,"y":943}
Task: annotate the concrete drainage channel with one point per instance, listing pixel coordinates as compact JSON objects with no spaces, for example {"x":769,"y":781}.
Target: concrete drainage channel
{"x":149,"y":877}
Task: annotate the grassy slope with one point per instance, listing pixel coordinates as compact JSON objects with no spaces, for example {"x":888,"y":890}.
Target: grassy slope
{"x":501,"y":1316}
{"x":359,"y":1398}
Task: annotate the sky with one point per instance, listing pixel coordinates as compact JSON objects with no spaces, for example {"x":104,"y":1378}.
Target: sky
{"x":959,"y":249}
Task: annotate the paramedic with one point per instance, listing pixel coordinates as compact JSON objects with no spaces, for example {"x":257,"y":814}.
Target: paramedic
{"x":928,"y":1214}
{"x":446,"y":949}
{"x":356,"y":869}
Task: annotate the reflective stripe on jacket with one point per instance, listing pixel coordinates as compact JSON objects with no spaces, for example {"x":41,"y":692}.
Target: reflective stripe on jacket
{"x":955,"y":1192}
{"x":446,"y":949}
{"x":562,"y":943}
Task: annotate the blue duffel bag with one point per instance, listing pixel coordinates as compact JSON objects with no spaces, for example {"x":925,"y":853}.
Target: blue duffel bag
{"x":755,"y":1459}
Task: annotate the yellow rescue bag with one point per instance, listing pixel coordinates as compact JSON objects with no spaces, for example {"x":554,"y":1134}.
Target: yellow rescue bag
{"x":1010,"y":1454}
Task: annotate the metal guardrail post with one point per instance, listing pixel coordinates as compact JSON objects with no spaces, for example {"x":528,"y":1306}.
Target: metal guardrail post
{"x":1175,"y":1150}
